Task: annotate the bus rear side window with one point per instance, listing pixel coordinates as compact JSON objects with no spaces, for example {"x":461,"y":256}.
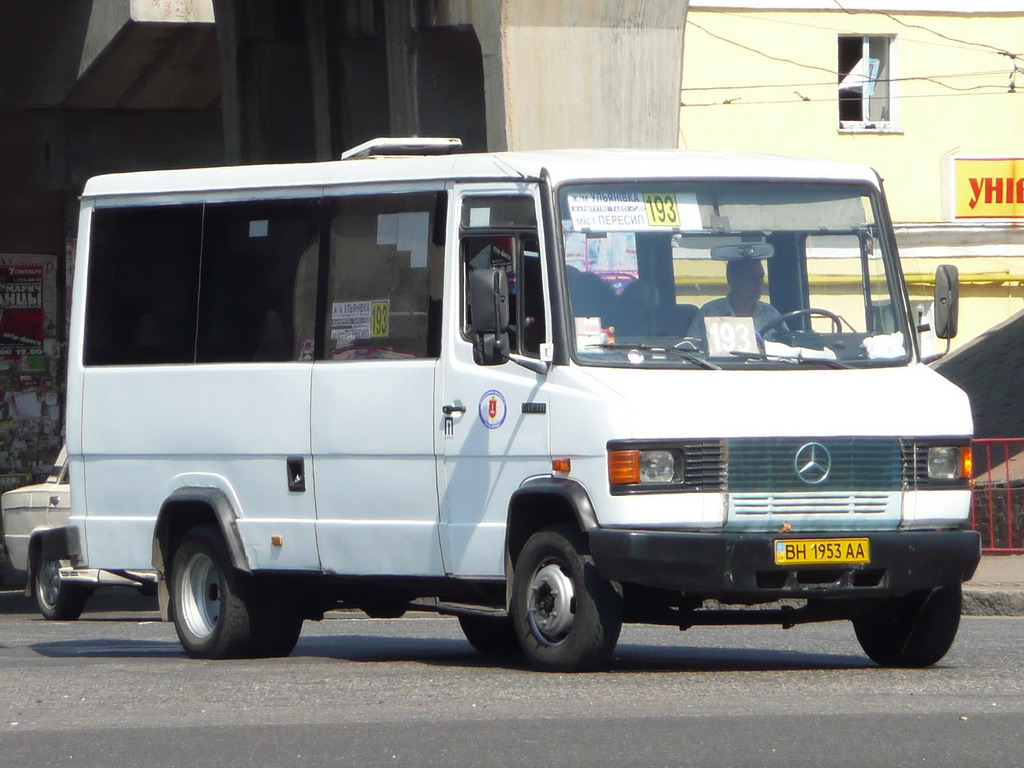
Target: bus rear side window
{"x":257,"y":297}
{"x":143,"y":285}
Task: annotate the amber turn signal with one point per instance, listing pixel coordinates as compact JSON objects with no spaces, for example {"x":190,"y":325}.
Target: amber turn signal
{"x":966,"y":463}
{"x":624,"y":467}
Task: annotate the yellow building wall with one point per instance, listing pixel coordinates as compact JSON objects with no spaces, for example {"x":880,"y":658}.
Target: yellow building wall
{"x":766,"y":81}
{"x":746,"y":75}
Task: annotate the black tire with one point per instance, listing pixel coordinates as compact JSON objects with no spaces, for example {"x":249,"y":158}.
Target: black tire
{"x":280,"y":623}
{"x":566,"y":617}
{"x":57,"y":600}
{"x":490,"y":635}
{"x":914,"y":630}
{"x":12,"y":579}
{"x":215,"y":606}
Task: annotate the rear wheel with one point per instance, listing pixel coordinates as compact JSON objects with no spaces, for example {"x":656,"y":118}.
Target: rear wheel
{"x":490,"y":635}
{"x":57,"y":600}
{"x":914,"y":630}
{"x":214,"y":605}
{"x":566,"y":616}
{"x":280,"y":622}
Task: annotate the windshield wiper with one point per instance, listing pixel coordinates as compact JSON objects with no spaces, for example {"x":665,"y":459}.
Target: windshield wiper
{"x":680,"y":353}
{"x":828,"y":362}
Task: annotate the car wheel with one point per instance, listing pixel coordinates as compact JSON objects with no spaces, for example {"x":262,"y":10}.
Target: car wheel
{"x":565,"y":615}
{"x":57,"y":600}
{"x":914,"y":630}
{"x":491,"y":635}
{"x":214,"y":605}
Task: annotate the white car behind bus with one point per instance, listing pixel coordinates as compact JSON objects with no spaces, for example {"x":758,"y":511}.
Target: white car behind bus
{"x":29,"y":514}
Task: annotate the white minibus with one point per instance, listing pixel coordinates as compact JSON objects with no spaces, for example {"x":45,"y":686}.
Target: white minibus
{"x":544,"y":392}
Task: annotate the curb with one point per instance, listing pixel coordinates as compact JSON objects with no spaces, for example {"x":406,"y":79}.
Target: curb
{"x":993,"y":601}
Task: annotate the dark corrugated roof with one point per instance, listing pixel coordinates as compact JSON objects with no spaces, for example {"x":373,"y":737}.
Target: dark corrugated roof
{"x":990,"y":368}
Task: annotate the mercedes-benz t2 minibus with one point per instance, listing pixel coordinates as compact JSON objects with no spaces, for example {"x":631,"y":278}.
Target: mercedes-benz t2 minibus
{"x":547,"y":393}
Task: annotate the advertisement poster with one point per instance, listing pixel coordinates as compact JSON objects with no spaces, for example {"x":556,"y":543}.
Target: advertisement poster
{"x":22,"y":317}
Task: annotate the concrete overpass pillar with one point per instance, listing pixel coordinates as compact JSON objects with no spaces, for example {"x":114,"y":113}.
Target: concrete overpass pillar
{"x":585,"y":73}
{"x":305,"y":79}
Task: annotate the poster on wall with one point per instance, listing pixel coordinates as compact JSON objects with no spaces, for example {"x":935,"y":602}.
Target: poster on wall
{"x":22,"y":316}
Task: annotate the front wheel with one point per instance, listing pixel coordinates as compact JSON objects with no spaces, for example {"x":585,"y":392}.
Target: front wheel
{"x":567,"y":617}
{"x":490,"y":634}
{"x":914,"y":630}
{"x":57,"y":600}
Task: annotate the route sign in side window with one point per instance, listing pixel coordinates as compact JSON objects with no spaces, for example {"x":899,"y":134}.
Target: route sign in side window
{"x":384,"y":282}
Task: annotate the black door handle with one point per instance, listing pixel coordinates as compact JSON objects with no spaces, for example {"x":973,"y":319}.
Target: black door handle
{"x":296,"y":474}
{"x":448,"y":410}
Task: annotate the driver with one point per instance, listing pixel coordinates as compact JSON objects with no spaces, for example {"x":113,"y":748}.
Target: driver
{"x":746,"y":283}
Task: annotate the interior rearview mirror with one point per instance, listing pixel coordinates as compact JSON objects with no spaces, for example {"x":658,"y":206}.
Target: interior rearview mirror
{"x":738,"y":251}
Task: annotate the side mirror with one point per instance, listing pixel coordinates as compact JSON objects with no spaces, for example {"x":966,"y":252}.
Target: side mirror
{"x":946,"y":314}
{"x":488,"y":306}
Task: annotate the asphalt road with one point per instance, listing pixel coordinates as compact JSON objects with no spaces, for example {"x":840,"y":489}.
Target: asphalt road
{"x":114,"y":689}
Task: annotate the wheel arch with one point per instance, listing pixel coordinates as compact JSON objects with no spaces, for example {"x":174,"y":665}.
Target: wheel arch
{"x":186,"y":508}
{"x":541,"y":502}
{"x":47,"y":541}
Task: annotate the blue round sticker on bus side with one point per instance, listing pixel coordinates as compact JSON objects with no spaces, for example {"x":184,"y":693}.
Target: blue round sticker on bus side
{"x":493,"y":409}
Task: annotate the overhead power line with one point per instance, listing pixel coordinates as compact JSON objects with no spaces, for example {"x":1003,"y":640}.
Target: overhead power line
{"x":832,"y":83}
{"x":840,"y":31}
{"x":816,"y":67}
{"x":690,"y":23}
{"x":995,"y":90}
{"x":993,"y":48}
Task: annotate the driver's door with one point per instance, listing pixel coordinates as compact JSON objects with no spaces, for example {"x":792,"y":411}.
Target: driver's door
{"x":492,"y":419}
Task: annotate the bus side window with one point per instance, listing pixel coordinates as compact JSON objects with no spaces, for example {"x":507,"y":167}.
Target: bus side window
{"x":143,"y":284}
{"x":384,"y":278}
{"x":251,"y":297}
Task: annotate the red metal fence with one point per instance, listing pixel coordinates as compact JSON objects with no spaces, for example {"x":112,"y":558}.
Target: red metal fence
{"x":997,"y":504}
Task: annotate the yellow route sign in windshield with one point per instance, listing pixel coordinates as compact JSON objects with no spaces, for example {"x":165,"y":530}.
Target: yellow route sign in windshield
{"x":662,"y":210}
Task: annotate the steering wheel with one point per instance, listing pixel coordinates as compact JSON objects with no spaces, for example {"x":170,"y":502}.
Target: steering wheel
{"x":837,"y":322}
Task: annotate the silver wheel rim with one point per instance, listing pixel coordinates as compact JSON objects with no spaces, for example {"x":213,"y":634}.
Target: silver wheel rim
{"x":200,"y":599}
{"x":49,"y":583}
{"x":551,"y":604}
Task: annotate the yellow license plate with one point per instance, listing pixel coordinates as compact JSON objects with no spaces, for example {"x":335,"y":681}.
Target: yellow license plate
{"x":822,"y":551}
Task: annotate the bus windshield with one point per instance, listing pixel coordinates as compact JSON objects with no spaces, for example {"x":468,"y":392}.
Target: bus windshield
{"x":730,"y":274}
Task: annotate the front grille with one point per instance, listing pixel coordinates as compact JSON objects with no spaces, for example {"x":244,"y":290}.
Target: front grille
{"x":814,"y":465}
{"x":703,"y":468}
{"x":805,"y":504}
{"x":914,"y":456}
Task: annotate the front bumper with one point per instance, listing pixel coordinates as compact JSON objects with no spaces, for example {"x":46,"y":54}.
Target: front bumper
{"x":740,"y":567}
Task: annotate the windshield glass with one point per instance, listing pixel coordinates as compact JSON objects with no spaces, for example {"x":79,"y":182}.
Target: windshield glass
{"x":734,"y":274}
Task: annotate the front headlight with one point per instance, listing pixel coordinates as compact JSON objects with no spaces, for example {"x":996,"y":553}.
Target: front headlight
{"x":657,"y":467}
{"x":644,"y":467}
{"x":946,"y":462}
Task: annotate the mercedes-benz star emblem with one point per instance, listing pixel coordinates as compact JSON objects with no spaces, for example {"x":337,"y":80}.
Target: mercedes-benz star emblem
{"x":812,"y":463}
